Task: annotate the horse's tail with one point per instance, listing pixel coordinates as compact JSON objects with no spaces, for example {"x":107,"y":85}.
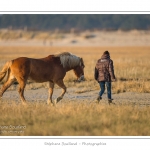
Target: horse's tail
{"x":5,"y":69}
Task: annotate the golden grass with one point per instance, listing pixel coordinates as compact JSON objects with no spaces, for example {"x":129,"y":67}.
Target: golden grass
{"x":74,"y":118}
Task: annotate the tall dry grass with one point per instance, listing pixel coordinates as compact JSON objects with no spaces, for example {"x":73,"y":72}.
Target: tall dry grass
{"x":73,"y":119}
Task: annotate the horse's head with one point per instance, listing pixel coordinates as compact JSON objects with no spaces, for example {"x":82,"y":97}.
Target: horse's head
{"x":79,"y":70}
{"x":70,"y":61}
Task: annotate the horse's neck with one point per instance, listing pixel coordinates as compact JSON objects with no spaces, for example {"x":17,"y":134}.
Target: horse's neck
{"x":68,"y":69}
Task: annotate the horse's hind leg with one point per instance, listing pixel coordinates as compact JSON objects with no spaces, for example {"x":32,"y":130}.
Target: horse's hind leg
{"x":22,"y":84}
{"x":7,"y":84}
{"x":61,"y":84}
{"x":51,"y":87}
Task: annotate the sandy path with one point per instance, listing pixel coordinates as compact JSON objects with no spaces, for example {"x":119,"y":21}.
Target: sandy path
{"x":41,"y":94}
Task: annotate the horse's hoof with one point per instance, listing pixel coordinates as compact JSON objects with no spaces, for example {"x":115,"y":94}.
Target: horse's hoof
{"x":24,"y":103}
{"x":54,"y":102}
{"x":49,"y":102}
{"x":58,"y":99}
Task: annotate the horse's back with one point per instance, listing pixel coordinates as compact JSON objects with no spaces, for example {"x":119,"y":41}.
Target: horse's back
{"x":38,"y":70}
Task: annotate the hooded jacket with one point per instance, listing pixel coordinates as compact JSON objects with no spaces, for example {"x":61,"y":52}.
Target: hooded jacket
{"x":104,"y":69}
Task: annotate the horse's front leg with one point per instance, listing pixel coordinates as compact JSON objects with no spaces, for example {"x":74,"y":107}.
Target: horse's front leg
{"x":50,"y":91}
{"x":61,"y":84}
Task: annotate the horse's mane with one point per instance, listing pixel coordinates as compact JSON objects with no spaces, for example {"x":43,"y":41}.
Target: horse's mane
{"x":68,"y":60}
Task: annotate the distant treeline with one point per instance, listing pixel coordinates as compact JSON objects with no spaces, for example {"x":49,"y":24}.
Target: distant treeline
{"x":77,"y":21}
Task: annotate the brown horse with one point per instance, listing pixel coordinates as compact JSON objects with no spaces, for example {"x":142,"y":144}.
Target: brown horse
{"x":52,"y":68}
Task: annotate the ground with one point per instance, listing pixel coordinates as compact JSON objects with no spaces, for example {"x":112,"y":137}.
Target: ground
{"x":73,"y":94}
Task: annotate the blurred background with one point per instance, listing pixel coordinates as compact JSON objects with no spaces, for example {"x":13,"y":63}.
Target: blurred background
{"x":75,"y":29}
{"x":65,"y":22}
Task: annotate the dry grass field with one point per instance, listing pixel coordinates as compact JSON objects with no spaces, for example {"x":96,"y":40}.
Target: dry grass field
{"x":74,"y":118}
{"x":81,"y":117}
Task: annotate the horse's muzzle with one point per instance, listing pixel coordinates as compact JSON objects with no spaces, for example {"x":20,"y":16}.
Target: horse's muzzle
{"x":81,"y":78}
